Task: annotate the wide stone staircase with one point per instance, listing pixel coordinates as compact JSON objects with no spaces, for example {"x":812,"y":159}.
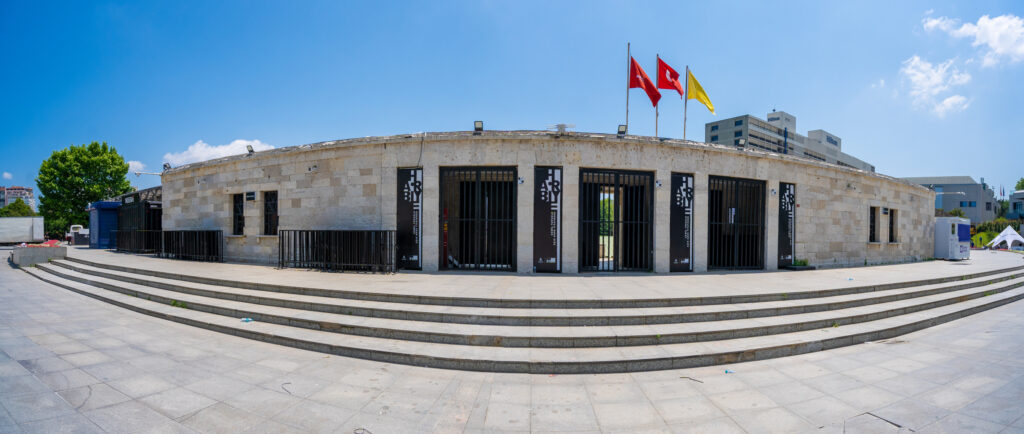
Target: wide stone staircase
{"x":537,"y":335}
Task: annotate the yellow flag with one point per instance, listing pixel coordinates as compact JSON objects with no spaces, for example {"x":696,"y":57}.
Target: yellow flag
{"x":696,"y":92}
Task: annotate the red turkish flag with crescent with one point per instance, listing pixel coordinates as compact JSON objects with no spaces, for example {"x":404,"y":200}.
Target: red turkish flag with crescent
{"x":639,"y":78}
{"x":668,"y":78}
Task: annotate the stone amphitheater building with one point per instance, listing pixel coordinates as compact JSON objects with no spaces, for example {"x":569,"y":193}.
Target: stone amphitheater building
{"x":538,"y":201}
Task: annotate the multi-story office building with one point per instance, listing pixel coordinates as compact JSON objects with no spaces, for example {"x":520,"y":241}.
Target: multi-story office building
{"x":778,"y":134}
{"x":9,"y":195}
{"x":1016,"y":210}
{"x":976,"y":200}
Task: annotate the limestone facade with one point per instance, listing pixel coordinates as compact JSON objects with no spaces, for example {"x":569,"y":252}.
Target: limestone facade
{"x":351,"y":184}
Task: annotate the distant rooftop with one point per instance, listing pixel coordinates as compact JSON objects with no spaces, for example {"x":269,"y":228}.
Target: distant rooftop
{"x":944,"y":180}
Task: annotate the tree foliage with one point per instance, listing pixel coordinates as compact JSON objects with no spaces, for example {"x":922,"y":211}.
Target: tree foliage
{"x":17,"y":209}
{"x":957,"y":212}
{"x":1020,"y":184}
{"x":998,"y":225}
{"x":73,"y":177}
{"x":1002,"y":208}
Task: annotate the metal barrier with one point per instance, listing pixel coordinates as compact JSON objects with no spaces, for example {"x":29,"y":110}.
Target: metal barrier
{"x":197,"y":245}
{"x":138,"y":241}
{"x":368,"y":251}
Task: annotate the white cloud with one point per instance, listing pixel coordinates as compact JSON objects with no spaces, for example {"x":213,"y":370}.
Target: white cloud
{"x":1002,"y":36}
{"x":952,"y":104}
{"x":135,"y":166}
{"x":7,"y":175}
{"x":878,"y":84}
{"x":928,"y":80}
{"x":941,"y":23}
{"x":201,"y":151}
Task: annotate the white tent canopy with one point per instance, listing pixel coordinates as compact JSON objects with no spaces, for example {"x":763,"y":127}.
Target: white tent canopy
{"x":1008,"y":235}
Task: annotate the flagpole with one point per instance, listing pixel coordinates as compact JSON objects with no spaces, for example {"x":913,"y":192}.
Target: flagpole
{"x":686,"y":99}
{"x":629,"y":68}
{"x":656,"y":57}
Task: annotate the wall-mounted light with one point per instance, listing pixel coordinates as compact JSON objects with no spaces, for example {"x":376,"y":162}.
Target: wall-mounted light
{"x":478,"y":126}
{"x":773,"y":192}
{"x":622,"y":130}
{"x":742,"y":142}
{"x":249,"y":147}
{"x":522,"y":180}
{"x":657,"y":183}
{"x":167,"y":166}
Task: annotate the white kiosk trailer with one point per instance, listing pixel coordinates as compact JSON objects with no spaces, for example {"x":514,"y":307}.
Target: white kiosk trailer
{"x":952,"y":238}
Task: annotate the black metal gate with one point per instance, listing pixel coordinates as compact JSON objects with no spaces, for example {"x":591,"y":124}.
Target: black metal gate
{"x":787,"y":223}
{"x":478,"y":218}
{"x":735,"y":223}
{"x":615,"y":232}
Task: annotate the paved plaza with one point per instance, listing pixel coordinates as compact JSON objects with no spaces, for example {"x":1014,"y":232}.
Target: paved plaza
{"x":69,"y":363}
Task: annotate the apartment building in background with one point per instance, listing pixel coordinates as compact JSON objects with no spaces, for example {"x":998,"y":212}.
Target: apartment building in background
{"x":778,"y":134}
{"x":9,"y":195}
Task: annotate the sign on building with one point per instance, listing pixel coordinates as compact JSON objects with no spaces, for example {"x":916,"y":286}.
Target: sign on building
{"x":409,"y":224}
{"x":547,"y":219}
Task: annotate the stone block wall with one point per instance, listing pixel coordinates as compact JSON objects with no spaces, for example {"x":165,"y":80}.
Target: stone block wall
{"x":351,"y":184}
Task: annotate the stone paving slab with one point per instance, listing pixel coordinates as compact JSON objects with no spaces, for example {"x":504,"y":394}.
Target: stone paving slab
{"x":598,"y":286}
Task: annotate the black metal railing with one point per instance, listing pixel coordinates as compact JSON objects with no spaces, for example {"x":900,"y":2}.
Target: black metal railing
{"x":138,"y":241}
{"x":196,"y":245}
{"x":337,"y":250}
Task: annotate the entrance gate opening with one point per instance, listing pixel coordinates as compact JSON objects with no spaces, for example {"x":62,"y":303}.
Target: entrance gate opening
{"x":736,"y":214}
{"x":478,"y":218}
{"x":615,"y":231}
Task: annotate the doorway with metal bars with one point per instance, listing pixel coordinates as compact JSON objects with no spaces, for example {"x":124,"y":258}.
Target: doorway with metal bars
{"x":616,"y":229}
{"x":478,"y":218}
{"x":736,"y":227}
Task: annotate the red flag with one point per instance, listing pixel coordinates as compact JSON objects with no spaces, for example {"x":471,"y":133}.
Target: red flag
{"x":639,"y":78}
{"x":668,"y":78}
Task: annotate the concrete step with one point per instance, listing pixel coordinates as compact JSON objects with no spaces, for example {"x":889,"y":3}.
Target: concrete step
{"x":538,"y":337}
{"x":371,"y":294}
{"x":539,"y":317}
{"x":549,"y":360}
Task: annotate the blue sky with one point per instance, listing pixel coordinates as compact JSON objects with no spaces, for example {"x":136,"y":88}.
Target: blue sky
{"x":915,"y":88}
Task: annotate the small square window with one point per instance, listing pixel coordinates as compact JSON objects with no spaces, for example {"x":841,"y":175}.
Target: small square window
{"x":738,"y":123}
{"x":714,"y":128}
{"x":737,"y":134}
{"x":714,"y":138}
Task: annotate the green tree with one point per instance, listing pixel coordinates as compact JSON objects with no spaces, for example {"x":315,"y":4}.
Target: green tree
{"x":17,"y":209}
{"x":957,"y":212}
{"x":73,"y":177}
{"x":1002,"y":207}
{"x":1020,"y":184}
{"x":607,"y":208}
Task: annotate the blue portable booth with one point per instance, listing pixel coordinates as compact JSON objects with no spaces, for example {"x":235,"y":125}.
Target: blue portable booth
{"x":102,"y":224}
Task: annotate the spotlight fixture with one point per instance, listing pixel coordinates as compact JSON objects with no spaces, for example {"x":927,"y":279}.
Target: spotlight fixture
{"x":622,"y":130}
{"x":249,"y":147}
{"x":742,"y":143}
{"x":167,"y":166}
{"x":478,"y":126}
